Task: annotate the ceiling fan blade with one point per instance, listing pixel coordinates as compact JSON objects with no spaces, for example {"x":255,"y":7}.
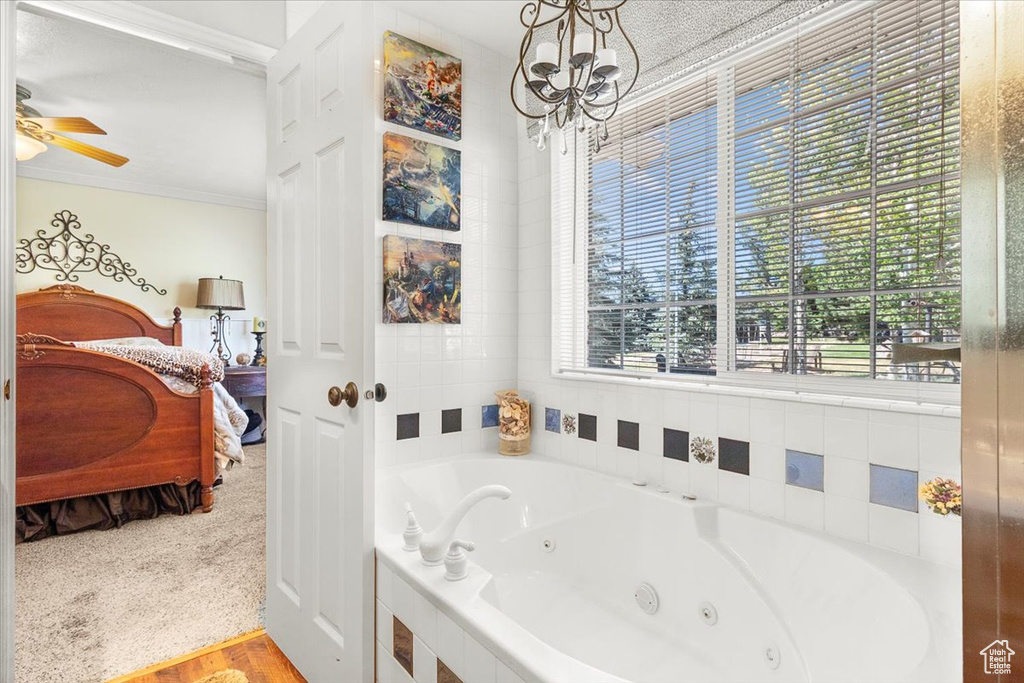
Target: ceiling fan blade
{"x":67,"y":124}
{"x":87,"y":150}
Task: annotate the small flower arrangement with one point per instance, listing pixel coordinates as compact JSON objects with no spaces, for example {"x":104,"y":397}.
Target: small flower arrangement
{"x":942,"y":496}
{"x":702,"y":449}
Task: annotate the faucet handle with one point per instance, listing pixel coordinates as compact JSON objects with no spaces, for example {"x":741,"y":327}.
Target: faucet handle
{"x":455,"y":562}
{"x":413,"y":533}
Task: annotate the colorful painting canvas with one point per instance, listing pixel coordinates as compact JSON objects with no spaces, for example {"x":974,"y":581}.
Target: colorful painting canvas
{"x":422,"y":87}
{"x":422,"y":281}
{"x":422,"y":183}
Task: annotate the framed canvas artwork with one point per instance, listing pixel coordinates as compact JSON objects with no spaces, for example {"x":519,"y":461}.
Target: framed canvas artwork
{"x":422,"y":87}
{"x":422,"y":183}
{"x":422,"y":281}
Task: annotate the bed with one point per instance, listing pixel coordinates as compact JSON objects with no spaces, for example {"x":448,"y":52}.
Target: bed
{"x":92,"y":425}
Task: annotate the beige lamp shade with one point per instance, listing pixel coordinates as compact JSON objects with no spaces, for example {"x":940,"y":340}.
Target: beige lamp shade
{"x":216,"y":292}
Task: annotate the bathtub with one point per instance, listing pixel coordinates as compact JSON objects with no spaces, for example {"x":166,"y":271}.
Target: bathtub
{"x":551,"y":589}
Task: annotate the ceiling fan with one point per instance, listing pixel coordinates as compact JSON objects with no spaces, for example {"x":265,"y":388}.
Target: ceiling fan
{"x":34,"y":132}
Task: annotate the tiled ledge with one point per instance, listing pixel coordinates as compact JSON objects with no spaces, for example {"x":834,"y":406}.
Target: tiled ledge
{"x":893,"y":406}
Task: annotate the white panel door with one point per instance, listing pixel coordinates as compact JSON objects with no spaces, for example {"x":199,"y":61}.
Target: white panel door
{"x":320,"y":457}
{"x":7,"y":331}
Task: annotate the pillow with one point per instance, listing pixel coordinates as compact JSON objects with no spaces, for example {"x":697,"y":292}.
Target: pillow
{"x":129,"y":341}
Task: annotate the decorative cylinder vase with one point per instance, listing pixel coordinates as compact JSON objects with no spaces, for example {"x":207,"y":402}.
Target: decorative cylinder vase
{"x":513,"y":423}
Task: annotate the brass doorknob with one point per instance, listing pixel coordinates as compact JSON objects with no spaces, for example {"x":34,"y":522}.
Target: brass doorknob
{"x":349,"y":395}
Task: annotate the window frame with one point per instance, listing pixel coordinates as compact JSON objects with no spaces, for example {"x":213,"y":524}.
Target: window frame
{"x":569,"y":222}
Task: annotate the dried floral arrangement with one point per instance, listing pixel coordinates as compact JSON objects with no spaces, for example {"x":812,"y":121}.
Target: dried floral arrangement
{"x":702,"y":449}
{"x":942,"y":496}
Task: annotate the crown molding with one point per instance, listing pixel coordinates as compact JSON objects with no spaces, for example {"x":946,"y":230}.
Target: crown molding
{"x":72,"y":178}
{"x":150,"y":24}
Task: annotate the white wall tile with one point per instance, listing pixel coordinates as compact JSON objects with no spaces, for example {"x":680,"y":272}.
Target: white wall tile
{"x":424,"y":661}
{"x":425,"y":622}
{"x":481,"y":667}
{"x":894,"y":529}
{"x":805,"y":507}
{"x":704,"y":480}
{"x":403,"y":603}
{"x":734,"y":489}
{"x":846,"y":478}
{"x":767,"y":462}
{"x":805,"y":427}
{"x":385,"y":627}
{"x":846,"y":517}
{"x":506,"y":675}
{"x":450,"y":645}
{"x":766,"y":498}
{"x":893,"y":439}
{"x":846,"y":438}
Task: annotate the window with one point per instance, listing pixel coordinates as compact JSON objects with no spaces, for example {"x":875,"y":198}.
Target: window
{"x":780,"y":217}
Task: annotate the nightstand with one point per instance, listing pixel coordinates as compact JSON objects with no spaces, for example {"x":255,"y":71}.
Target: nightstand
{"x":246,"y":381}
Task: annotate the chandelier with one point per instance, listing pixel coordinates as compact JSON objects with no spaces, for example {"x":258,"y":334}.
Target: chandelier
{"x":577,"y":76}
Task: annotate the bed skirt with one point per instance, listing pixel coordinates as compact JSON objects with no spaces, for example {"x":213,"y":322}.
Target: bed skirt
{"x":104,"y":511}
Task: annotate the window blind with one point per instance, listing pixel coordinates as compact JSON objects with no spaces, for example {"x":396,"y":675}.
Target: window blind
{"x":847,"y":211}
{"x":787,"y":210}
{"x":651,"y":255}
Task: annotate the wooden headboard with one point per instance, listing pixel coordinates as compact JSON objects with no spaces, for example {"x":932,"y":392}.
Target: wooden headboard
{"x":72,"y":313}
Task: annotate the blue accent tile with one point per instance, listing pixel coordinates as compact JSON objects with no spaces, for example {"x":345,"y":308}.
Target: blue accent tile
{"x":553,"y":420}
{"x":806,"y":470}
{"x":489,"y":415}
{"x":894,"y":487}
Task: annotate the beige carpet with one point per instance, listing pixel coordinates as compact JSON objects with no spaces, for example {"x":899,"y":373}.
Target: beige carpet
{"x":100,"y":604}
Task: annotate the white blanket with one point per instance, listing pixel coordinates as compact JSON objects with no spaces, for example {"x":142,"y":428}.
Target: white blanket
{"x":229,"y":421}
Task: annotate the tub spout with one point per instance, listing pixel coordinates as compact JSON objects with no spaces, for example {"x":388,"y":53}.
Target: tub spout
{"x":434,"y":543}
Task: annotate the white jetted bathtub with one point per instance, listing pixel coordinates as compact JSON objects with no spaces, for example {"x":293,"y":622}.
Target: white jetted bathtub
{"x":551,"y":585}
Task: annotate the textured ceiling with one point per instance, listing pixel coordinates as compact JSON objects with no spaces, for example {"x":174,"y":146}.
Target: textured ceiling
{"x":188,"y":124}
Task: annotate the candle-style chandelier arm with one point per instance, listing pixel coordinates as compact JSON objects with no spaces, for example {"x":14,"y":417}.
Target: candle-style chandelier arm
{"x":576,"y":76}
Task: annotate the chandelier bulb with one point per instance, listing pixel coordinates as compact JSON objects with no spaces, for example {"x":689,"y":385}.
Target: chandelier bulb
{"x":580,"y":123}
{"x":547,"y":125}
{"x":565,"y":146}
{"x":604,"y":134}
{"x":540,"y":142}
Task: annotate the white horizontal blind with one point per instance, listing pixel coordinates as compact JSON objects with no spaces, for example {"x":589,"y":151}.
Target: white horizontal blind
{"x":837,"y":183}
{"x":651,"y":262}
{"x":847,"y":196}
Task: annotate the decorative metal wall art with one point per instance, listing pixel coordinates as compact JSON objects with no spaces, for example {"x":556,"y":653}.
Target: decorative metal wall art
{"x":70,"y":255}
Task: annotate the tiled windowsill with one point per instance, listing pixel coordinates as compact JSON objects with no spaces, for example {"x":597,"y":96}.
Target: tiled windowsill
{"x":891,"y":405}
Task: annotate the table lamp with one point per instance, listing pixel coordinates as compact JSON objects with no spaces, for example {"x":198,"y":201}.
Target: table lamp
{"x":223,"y":295}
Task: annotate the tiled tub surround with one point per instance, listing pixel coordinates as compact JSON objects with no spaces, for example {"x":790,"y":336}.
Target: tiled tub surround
{"x":428,"y":368}
{"x":568,"y":614}
{"x":848,"y":436}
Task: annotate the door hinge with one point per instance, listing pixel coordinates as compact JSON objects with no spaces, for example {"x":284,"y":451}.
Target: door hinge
{"x":7,"y":390}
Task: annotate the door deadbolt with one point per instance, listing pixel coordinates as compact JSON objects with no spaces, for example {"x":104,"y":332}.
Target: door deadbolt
{"x":378,"y":393}
{"x":350,"y":395}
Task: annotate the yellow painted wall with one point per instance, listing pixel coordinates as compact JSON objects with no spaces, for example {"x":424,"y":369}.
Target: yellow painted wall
{"x":172,"y":243}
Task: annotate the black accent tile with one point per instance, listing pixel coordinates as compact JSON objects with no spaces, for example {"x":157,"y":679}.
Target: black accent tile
{"x":629,"y":435}
{"x":451,"y":420}
{"x":408,"y":426}
{"x":734,"y":456}
{"x":676,"y":444}
{"x":588,"y":427}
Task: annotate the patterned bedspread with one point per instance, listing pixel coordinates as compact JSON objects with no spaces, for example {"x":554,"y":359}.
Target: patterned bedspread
{"x":180,"y":369}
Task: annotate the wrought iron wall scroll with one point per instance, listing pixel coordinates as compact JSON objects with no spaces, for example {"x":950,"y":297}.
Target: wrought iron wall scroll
{"x":69,"y":255}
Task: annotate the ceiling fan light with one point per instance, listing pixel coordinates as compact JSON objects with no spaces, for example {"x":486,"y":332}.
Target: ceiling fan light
{"x":26,"y":147}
